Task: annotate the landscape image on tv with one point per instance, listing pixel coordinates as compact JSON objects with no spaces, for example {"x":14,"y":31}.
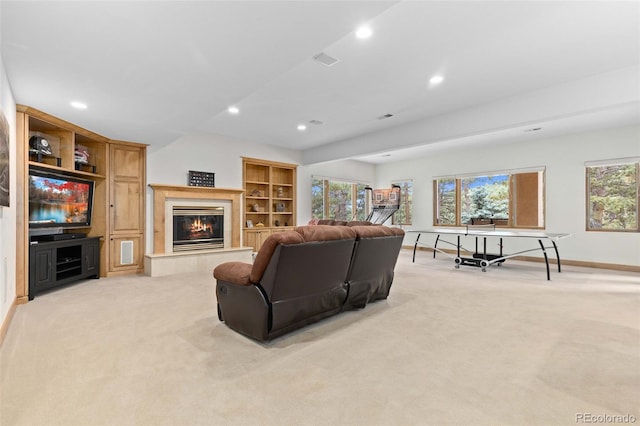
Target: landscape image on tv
{"x":58,"y":201}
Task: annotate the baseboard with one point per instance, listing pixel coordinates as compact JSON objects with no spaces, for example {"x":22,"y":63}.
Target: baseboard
{"x":552,"y":260}
{"x":7,"y":321}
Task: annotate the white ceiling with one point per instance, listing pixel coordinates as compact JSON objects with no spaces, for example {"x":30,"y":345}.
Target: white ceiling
{"x":153,"y":71}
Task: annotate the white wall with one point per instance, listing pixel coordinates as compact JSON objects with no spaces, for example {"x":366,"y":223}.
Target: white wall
{"x":564,"y":158}
{"x":8,"y":215}
{"x":170,"y":165}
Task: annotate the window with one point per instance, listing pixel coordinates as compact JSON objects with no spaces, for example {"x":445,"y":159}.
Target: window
{"x":510,"y":198}
{"x":404,"y":214}
{"x":612,"y":195}
{"x":338,"y":200}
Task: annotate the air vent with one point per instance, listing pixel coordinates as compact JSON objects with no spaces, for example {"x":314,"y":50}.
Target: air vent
{"x":316,"y":122}
{"x":325,"y":59}
{"x":384,"y":117}
{"x":535,"y":129}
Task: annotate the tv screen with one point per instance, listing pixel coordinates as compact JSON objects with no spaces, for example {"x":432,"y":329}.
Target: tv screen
{"x":59,"y":200}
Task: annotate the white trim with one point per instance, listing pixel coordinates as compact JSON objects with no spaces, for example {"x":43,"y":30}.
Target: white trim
{"x":613,"y":162}
{"x":494,"y":173}
{"x":341,"y":180}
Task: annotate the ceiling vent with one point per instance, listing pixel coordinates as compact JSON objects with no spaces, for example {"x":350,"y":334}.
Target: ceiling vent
{"x":325,"y":59}
{"x":316,"y":122}
{"x":384,"y":117}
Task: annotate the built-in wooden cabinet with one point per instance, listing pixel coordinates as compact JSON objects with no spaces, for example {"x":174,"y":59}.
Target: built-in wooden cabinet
{"x":126,"y":206}
{"x":255,"y":237}
{"x":118,"y":170}
{"x":269,"y":199}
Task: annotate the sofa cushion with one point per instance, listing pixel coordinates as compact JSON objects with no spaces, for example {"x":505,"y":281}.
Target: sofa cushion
{"x":325,"y":233}
{"x":233,"y":272}
{"x":268,"y":247}
{"x":376,"y":231}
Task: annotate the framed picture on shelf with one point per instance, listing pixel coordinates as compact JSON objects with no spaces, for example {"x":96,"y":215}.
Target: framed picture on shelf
{"x":249,"y":224}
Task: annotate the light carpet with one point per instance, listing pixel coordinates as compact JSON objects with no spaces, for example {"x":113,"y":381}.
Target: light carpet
{"x":448,"y":347}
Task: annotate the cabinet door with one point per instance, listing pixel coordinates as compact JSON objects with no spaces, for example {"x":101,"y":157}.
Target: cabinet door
{"x":91,"y":258}
{"x":255,"y":238}
{"x":126,"y":195}
{"x":126,"y":253}
{"x":42,"y":268}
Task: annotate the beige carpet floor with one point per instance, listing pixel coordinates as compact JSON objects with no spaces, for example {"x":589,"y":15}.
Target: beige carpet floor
{"x":449,"y":347}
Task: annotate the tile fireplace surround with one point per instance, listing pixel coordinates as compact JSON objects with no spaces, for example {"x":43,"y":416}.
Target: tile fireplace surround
{"x":165,"y":262}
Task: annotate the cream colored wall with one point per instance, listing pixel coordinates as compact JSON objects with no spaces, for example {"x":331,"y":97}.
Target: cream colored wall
{"x":8,"y":215}
{"x":564,"y":159}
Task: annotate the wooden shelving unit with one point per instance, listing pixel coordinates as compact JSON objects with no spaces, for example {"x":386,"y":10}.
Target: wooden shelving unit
{"x":110,"y":202}
{"x":269,"y":199}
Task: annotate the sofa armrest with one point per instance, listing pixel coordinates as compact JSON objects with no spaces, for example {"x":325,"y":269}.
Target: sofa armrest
{"x":233,"y":272}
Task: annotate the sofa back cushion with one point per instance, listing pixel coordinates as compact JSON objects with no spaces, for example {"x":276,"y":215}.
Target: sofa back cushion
{"x":373,"y":263}
{"x":306,"y":282}
{"x":325,"y":233}
{"x":268,"y":248}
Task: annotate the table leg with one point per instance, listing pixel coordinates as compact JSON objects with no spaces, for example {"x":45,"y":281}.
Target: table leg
{"x":546,"y":259}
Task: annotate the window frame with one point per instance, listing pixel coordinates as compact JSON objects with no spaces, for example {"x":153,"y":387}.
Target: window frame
{"x":512,"y":206}
{"x":404,"y":201}
{"x":326,"y":182}
{"x":604,"y":163}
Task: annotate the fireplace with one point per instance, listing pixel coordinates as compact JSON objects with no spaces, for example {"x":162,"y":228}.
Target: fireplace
{"x":198,"y":228}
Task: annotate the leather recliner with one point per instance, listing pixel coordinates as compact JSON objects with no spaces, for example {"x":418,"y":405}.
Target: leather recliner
{"x":302,"y":276}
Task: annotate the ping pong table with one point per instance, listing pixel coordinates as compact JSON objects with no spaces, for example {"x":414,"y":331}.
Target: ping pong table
{"x":481,"y":258}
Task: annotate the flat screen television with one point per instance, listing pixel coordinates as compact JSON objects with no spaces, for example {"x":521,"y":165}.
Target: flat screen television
{"x":59,"y":201}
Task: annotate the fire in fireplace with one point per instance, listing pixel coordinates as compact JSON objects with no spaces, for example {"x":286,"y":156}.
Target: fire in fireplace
{"x":198,"y":228}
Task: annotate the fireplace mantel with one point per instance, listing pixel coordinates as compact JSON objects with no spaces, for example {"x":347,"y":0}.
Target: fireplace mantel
{"x":163,"y":192}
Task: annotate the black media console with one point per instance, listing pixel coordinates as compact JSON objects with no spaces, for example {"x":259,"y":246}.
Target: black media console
{"x":55,"y":263}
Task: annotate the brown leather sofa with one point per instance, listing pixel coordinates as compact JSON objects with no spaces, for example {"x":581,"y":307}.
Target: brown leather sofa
{"x":302,"y":276}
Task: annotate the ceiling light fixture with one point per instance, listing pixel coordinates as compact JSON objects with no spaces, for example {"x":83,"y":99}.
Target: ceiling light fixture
{"x":364,"y":32}
{"x":436,"y":79}
{"x":78,"y":105}
{"x":302,"y":127}
{"x":233,"y":110}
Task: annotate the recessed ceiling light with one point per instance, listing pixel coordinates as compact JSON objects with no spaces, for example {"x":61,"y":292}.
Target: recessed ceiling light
{"x":302,"y":127}
{"x":78,"y":105}
{"x":233,"y":110}
{"x":364,"y":32}
{"x":436,"y":79}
